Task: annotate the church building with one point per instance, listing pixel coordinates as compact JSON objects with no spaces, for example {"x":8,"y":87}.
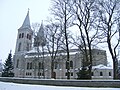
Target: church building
{"x":30,"y":63}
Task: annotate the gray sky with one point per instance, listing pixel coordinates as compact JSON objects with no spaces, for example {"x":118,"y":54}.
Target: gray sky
{"x":12,"y":15}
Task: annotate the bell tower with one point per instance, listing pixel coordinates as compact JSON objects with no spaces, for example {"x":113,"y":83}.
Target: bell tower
{"x":24,"y":37}
{"x":23,"y":45}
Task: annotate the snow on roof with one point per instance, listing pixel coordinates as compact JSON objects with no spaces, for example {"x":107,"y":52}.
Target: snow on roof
{"x":101,"y":66}
{"x":45,"y":55}
{"x":34,"y":53}
{"x":34,"y":50}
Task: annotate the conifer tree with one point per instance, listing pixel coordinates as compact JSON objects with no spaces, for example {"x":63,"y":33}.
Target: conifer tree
{"x":8,"y":67}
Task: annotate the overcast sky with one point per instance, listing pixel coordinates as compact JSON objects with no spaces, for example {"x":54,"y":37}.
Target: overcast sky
{"x":12,"y":15}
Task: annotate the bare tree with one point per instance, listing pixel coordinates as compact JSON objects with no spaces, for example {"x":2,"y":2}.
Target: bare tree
{"x":62,"y":12}
{"x":86,"y":20}
{"x":39,"y":43}
{"x":53,"y":37}
{"x":109,"y":15}
{"x":35,"y":27}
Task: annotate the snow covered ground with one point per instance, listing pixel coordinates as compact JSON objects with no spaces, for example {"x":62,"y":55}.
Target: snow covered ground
{"x":14,"y":86}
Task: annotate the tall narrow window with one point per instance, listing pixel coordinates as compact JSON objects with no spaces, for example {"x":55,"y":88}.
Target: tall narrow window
{"x":71,"y":73}
{"x":31,"y":65}
{"x":92,"y":74}
{"x":109,"y":73}
{"x":71,"y":64}
{"x":17,"y":63}
{"x":30,"y":73}
{"x":55,"y":65}
{"x":42,"y":65}
{"x":101,"y":74}
{"x":39,"y":65}
{"x":67,"y":65}
{"x":66,"y":74}
{"x":39,"y":74}
{"x":19,"y":47}
{"x":22,"y":35}
{"x":27,"y":48}
{"x":28,"y":65}
{"x":27,"y":36}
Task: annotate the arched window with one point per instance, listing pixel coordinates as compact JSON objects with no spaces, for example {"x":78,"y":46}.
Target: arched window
{"x":31,"y":65}
{"x":27,"y":36}
{"x":109,"y":73}
{"x":28,"y":64}
{"x":54,"y":75}
{"x":71,"y":73}
{"x":67,"y":64}
{"x":92,"y":74}
{"x":30,"y":73}
{"x":26,"y":73}
{"x":17,"y":63}
{"x":40,"y":65}
{"x":20,"y":35}
{"x":27,"y":48}
{"x":19,"y":47}
{"x":55,"y":65}
{"x":71,"y":64}
{"x":39,"y":73}
{"x":101,"y":73}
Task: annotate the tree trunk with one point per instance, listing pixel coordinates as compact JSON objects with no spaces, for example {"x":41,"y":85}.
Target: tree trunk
{"x":52,"y":68}
{"x":67,"y":47}
{"x":114,"y":58}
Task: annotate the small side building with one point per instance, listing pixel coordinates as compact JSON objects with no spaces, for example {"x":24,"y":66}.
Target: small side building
{"x":102,"y":72}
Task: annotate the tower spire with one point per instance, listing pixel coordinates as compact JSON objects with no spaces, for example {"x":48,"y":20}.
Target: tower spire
{"x":26,"y":23}
{"x":41,"y":30}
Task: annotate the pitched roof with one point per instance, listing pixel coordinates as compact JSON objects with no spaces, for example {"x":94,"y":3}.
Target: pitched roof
{"x":26,"y":23}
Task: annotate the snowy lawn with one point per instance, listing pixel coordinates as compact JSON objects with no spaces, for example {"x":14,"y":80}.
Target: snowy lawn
{"x":14,"y":86}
